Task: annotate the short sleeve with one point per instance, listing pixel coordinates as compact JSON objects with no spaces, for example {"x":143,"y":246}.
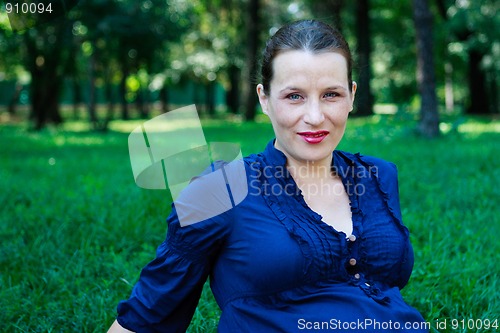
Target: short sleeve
{"x":168,"y":290}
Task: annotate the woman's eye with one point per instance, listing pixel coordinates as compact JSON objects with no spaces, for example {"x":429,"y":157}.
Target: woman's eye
{"x":294,"y":97}
{"x":331,"y":95}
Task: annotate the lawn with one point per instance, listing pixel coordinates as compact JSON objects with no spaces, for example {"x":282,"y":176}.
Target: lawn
{"x":75,"y":230}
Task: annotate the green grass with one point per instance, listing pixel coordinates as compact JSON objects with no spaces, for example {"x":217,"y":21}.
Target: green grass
{"x":75,"y":230}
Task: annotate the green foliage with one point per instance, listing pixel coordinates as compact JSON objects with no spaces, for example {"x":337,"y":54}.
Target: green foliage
{"x":75,"y":230}
{"x":158,"y":43}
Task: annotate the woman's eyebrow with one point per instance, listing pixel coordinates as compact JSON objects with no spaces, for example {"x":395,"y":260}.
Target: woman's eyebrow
{"x":289,"y":88}
{"x":336,"y":87}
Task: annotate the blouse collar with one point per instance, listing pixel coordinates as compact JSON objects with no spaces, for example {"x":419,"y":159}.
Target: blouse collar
{"x":343,"y":163}
{"x":274,"y":156}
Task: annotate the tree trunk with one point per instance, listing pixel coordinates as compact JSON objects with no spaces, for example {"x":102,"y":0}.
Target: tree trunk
{"x":123,"y":91}
{"x":77,"y":97}
{"x":45,"y":88}
{"x":92,"y":91}
{"x":210,"y":97}
{"x":44,"y":64}
{"x":481,"y":101}
{"x":448,"y":87}
{"x":429,"y":116}
{"x":110,"y":114}
{"x":253,"y":30}
{"x":14,"y":100}
{"x":232,"y":96}
{"x":478,"y":99}
{"x":141,"y":102}
{"x":364,"y":97}
{"x":329,"y":8}
{"x":164,"y":98}
{"x":53,"y":94}
{"x":494,"y":92}
{"x":197,"y":98}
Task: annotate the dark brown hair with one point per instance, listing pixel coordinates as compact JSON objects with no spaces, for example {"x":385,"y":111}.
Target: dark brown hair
{"x":307,"y":35}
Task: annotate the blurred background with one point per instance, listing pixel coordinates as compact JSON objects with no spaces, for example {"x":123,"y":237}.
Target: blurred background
{"x":120,"y":59}
{"x":75,"y":230}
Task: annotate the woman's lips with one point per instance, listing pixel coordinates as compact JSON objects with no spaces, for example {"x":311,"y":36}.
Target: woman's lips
{"x":313,"y":137}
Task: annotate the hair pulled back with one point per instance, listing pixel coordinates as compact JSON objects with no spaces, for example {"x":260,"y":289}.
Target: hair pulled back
{"x":307,"y":35}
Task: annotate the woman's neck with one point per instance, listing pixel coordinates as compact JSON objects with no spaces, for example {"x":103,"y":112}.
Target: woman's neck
{"x":309,"y":171}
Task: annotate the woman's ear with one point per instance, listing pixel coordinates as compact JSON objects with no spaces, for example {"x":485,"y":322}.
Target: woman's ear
{"x":353,"y":93}
{"x":263,"y":99}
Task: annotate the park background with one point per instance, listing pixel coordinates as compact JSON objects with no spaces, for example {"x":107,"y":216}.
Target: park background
{"x":75,"y":230}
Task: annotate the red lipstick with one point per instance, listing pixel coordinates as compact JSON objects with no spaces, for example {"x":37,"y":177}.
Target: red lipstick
{"x":313,"y":137}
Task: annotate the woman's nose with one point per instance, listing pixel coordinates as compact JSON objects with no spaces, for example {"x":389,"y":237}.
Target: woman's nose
{"x":314,"y":115}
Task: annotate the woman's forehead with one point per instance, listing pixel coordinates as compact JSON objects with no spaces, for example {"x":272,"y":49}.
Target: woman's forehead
{"x":303,"y":67}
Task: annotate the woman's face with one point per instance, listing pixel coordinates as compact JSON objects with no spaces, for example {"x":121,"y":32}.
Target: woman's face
{"x":308,"y":103}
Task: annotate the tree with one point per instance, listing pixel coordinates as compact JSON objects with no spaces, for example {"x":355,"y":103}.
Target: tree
{"x":252,"y":42}
{"x":364,"y":97}
{"x":9,"y":62}
{"x":333,"y":10}
{"x":235,"y":53}
{"x":45,"y":58}
{"x":93,"y":29}
{"x":128,"y":40}
{"x":42,"y":41}
{"x":429,"y":116}
{"x":474,"y":26}
{"x":101,"y":41}
{"x":393,"y":56}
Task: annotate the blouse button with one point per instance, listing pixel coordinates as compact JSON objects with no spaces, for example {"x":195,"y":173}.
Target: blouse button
{"x":352,"y":238}
{"x":352,"y":262}
{"x":357,"y":276}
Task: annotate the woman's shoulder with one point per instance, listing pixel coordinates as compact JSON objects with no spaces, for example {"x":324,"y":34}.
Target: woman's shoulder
{"x":383,"y":174}
{"x":215,"y":191}
{"x":202,"y":212}
{"x":380,"y":172}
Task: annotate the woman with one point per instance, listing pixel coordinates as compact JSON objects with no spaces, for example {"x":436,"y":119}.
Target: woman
{"x":317,"y":244}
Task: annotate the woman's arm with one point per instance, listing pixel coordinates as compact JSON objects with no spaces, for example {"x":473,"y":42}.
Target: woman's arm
{"x":165,"y":297}
{"x":117,"y":328}
{"x":167,"y":293}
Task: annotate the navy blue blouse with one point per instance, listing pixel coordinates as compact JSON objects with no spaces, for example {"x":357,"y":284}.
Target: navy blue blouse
{"x":275,"y":266}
